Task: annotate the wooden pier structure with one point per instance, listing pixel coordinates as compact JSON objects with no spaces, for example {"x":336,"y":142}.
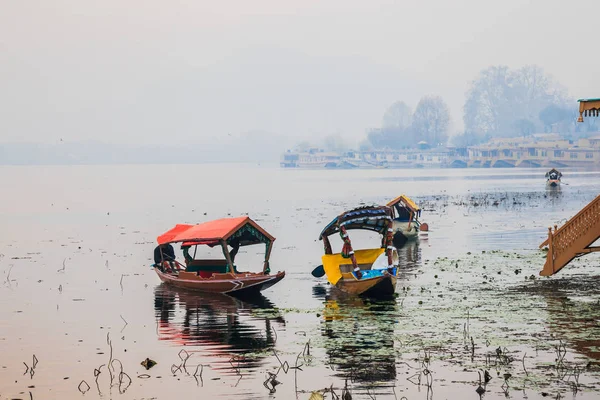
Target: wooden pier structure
{"x":576,"y":237}
{"x":573,"y":239}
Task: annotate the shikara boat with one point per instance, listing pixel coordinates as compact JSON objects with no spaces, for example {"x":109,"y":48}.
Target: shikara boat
{"x":405,"y":213}
{"x":369,"y":272}
{"x":553,"y":179}
{"x":215,"y":275}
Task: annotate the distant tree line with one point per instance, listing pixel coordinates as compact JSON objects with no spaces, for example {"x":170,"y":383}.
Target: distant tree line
{"x":401,"y":128}
{"x":500,"y":102}
{"x":509,"y":103}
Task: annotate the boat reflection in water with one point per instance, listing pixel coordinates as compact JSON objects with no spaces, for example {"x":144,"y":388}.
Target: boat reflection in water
{"x":220,"y":325}
{"x":409,"y":257}
{"x":359,"y":336}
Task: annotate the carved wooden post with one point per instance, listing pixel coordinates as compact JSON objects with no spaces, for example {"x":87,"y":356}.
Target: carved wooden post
{"x":227,"y":256}
{"x":550,"y":255}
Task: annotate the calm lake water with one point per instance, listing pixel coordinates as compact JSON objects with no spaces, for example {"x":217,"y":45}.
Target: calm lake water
{"x":80,"y":308}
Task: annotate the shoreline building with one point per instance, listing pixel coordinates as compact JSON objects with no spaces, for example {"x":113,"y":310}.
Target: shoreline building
{"x":409,"y":158}
{"x":538,"y":150}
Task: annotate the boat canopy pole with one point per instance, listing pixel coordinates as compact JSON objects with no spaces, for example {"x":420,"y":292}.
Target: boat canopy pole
{"x":327,"y":245}
{"x":227,"y":256}
{"x":347,"y":251}
{"x":266,"y":268}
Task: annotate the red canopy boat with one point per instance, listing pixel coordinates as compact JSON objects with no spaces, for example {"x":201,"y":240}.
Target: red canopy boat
{"x":215,"y":275}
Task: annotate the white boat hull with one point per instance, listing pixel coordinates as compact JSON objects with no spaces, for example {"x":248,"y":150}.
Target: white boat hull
{"x":409,"y":230}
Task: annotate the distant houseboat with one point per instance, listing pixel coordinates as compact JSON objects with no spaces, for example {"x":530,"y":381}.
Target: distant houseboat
{"x":410,"y":158}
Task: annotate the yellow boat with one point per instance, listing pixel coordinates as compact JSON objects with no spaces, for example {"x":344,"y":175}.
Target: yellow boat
{"x":406,"y":215}
{"x":369,"y":272}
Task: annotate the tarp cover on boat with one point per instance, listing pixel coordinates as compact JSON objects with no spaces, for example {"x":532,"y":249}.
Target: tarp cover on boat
{"x":242,"y":229}
{"x":374,"y":218}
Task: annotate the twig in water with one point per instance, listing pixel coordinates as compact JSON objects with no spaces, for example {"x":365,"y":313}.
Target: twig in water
{"x":83,"y":389}
{"x":124,"y":326}
{"x":175,"y":368}
{"x":576,"y":377}
{"x":346,"y":392}
{"x":63,"y":267}
{"x":271,"y":380}
{"x":8,"y":275}
{"x":238,"y":359}
{"x":196,"y":375}
{"x":526,"y":373}
{"x":184,"y":359}
{"x":284,"y":365}
{"x":368,"y":392}
{"x":122,"y":387}
{"x":110,"y":358}
{"x":306,"y":351}
{"x":97,"y":372}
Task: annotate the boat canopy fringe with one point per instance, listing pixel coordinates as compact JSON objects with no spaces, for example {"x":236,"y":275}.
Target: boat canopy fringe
{"x":372,"y":218}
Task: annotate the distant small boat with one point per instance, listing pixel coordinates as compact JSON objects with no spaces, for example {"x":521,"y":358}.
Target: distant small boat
{"x":406,"y":219}
{"x":370,"y":272}
{"x":553,"y":179}
{"x":212,"y":275}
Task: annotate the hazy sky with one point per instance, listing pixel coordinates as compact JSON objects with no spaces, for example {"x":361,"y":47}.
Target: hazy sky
{"x":126,"y":71}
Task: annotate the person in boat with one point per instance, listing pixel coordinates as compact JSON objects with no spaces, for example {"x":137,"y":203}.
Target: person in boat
{"x":553,"y":174}
{"x":186,"y":254}
{"x":164,"y":256}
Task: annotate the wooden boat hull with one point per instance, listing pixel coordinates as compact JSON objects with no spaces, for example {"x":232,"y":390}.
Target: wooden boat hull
{"x":240,"y":284}
{"x":380,"y":286}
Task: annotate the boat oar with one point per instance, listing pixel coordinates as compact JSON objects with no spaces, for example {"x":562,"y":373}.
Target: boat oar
{"x":318,"y":272}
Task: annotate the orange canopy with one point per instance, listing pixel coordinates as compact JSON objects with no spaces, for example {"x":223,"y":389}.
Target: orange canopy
{"x":169,"y":235}
{"x":210,"y":232}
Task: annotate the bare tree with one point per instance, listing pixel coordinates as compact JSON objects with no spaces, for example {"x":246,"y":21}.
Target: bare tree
{"x":431,"y":121}
{"x":399,"y":115}
{"x":499,"y":101}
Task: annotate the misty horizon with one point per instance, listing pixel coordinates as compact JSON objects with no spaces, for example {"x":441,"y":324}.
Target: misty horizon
{"x":186,"y":72}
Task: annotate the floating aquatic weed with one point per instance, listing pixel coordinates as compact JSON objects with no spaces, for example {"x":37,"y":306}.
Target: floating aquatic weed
{"x":148,"y":363}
